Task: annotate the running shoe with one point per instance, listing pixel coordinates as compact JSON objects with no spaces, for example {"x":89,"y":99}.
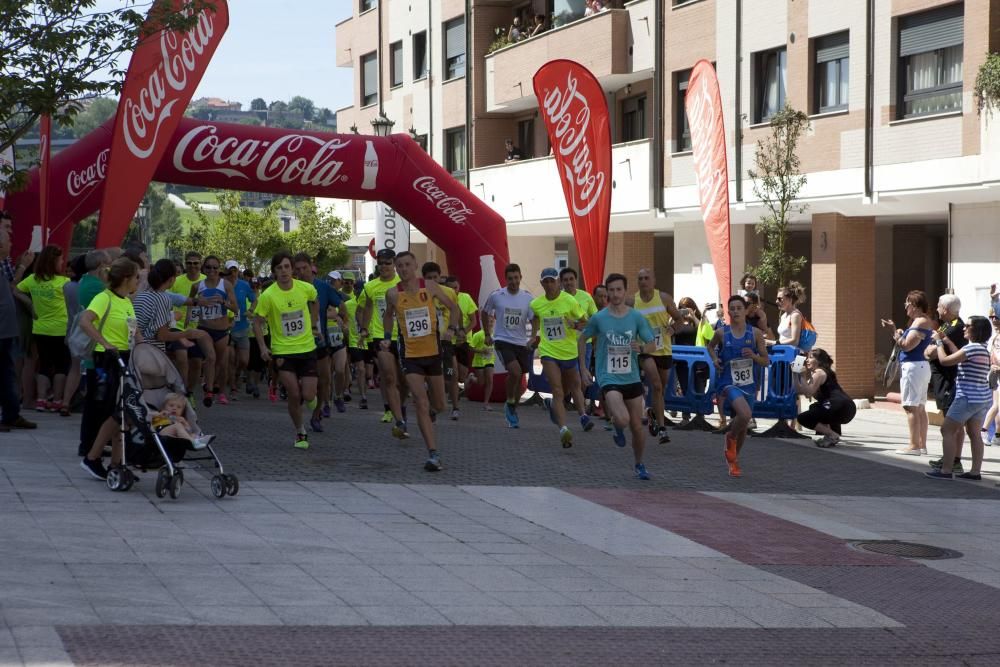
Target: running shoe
{"x":207,"y":401}
{"x":937,"y":474}
{"x":619,"y":437}
{"x":94,"y":468}
{"x":399,"y":430}
{"x":552,"y":413}
{"x":454,"y":415}
{"x":316,"y":424}
{"x":975,"y":476}
{"x":363,"y":404}
{"x":387,"y":417}
{"x":326,"y":410}
{"x":734,"y":469}
{"x":566,"y":437}
{"x":339,"y":404}
{"x":223,"y":400}
{"x":510,"y":414}
{"x":433,"y":463}
{"x":906,"y":451}
{"x":302,"y":441}
{"x":664,"y":438}
{"x":586,"y":422}
{"x":272,"y":395}
{"x":956,"y":467}
{"x":641,"y":472}
{"x":55,"y":406}
{"x":347,"y":397}
{"x":41,"y":406}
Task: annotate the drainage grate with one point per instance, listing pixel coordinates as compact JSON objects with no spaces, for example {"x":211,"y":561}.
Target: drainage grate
{"x":904,"y":549}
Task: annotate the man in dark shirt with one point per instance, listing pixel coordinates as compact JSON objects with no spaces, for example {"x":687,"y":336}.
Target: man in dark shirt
{"x":943,"y":377}
{"x":513,"y":152}
{"x":10,"y":399}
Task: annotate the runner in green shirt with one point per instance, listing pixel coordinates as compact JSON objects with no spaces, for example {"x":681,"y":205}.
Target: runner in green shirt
{"x":569,"y":281}
{"x":371,"y":308}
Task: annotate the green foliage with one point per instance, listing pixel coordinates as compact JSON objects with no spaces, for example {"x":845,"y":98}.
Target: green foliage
{"x":777,"y":181}
{"x":321,"y":234}
{"x":258,"y":104}
{"x":987,"y":87}
{"x":95,"y":115}
{"x":303,"y":105}
{"x":502,"y":40}
{"x":248,"y":235}
{"x":164,"y":219}
{"x":85,"y":234}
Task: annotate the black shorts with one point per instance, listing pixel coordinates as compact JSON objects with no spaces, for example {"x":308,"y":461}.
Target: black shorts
{"x":628,"y":391}
{"x":53,"y":355}
{"x":508,"y":352}
{"x":376,"y":347}
{"x":216,"y":334}
{"x":335,"y":350}
{"x":463,"y":353}
{"x":256,"y":364}
{"x":357,"y":355}
{"x":663,"y":361}
{"x":429,"y":366}
{"x":448,"y":358}
{"x":322,"y":352}
{"x":302,"y":364}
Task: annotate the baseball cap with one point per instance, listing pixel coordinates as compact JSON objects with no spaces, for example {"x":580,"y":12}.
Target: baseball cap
{"x":385,"y":253}
{"x":232,"y":264}
{"x":333,"y":275}
{"x":549,"y":273}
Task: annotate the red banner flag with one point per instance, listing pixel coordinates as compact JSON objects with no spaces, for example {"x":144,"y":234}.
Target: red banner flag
{"x":576,"y":116}
{"x":44,"y":167}
{"x":703,"y":106}
{"x":162,"y":76}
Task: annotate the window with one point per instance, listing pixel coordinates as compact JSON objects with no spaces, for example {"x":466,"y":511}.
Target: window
{"x":769,"y":83}
{"x":566,"y":11}
{"x":419,"y":55}
{"x":454,"y":151}
{"x":930,"y":62}
{"x":395,"y":64}
{"x":634,"y":118}
{"x":526,"y":137}
{"x":682,"y":131}
{"x":421,"y":140}
{"x":454,"y":48}
{"x":369,"y":79}
{"x":368,"y":4}
{"x":831,"y":75}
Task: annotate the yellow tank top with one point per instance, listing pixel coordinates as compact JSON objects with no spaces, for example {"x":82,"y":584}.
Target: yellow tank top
{"x":658,"y":319}
{"x":417,"y":323}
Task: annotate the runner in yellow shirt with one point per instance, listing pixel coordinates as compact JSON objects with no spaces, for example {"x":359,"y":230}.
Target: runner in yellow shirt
{"x":290,"y":309}
{"x":371,"y":310}
{"x":432,"y":273}
{"x":412,"y":303}
{"x":569,"y":281}
{"x":483,"y":360}
{"x":557,"y":319}
{"x":357,"y":352}
{"x":463,"y":353}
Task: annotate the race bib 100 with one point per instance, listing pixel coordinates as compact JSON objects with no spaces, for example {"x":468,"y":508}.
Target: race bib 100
{"x":418,"y":322}
{"x":293,"y":323}
{"x":741,"y":372}
{"x":512,"y":318}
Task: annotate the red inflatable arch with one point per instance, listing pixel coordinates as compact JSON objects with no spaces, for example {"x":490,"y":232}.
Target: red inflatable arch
{"x":239,"y":157}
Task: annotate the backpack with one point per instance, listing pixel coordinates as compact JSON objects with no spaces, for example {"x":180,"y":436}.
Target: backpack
{"x":808,"y":335}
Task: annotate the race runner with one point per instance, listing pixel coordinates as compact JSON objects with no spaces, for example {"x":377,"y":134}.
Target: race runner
{"x":370,"y":314}
{"x":509,"y":309}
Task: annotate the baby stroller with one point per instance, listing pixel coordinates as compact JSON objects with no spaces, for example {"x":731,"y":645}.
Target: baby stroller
{"x":145,"y":382}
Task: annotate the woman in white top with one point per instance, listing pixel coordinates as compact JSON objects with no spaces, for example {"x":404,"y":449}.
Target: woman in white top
{"x":790,"y":325}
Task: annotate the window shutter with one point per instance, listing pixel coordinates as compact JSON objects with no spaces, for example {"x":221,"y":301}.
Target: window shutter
{"x":455,"y":39}
{"x":929,"y":31}
{"x":833,"y":47}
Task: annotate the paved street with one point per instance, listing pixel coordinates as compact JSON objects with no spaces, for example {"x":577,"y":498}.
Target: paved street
{"x":517,"y":552}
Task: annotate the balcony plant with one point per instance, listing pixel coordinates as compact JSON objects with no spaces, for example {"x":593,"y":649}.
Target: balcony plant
{"x":502,"y":40}
{"x":987,"y":87}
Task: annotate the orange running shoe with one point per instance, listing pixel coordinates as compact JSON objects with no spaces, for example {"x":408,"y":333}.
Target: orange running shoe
{"x":734,"y":469}
{"x":730,"y":448}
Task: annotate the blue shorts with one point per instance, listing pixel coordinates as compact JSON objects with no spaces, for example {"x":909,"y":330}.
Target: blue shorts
{"x":564,"y":364}
{"x":962,"y":411}
{"x":731,"y":393}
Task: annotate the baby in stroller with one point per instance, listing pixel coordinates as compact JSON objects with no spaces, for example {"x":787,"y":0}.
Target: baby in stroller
{"x":170,"y":421}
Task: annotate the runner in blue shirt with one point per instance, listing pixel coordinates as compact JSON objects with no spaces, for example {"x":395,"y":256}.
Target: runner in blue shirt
{"x":620,"y":333}
{"x":742,"y":347}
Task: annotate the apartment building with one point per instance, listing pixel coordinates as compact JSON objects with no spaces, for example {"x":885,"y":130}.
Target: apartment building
{"x":903,"y":173}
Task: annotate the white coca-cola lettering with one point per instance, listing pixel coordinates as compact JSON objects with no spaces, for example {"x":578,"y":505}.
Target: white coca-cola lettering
{"x":710,"y":173}
{"x":292,"y":158}
{"x":79,"y":181}
{"x":568,"y":114}
{"x":453,"y":207}
{"x":143,"y":116}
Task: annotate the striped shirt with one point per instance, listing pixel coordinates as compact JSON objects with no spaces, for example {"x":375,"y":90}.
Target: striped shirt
{"x":973,"y":375}
{"x":152,"y":310}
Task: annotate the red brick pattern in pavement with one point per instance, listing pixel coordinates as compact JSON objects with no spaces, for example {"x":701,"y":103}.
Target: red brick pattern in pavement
{"x":747,"y":535}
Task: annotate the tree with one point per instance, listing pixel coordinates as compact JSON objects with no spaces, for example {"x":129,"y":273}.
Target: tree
{"x":258,"y":104}
{"x":321,"y":234}
{"x":303,"y":105}
{"x":248,"y":235}
{"x":278,"y":106}
{"x":777,"y":182}
{"x":85,"y":233}
{"x":323,"y":116}
{"x":93,"y":116}
{"x":250,"y":120}
{"x":195,"y":238}
{"x":165,"y":221}
{"x":54,"y":53}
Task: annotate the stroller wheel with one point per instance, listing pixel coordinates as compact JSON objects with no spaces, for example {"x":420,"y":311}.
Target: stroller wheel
{"x":175,"y":484}
{"x":128,"y":479}
{"x":114,"y":479}
{"x":219,"y":486}
{"x":232,"y":484}
{"x":162,"y":479}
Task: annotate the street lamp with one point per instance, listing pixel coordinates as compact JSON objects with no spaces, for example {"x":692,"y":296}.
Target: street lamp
{"x":143,"y":222}
{"x":381,"y":125}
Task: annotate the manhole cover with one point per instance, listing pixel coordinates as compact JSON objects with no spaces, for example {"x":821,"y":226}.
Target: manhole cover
{"x":904,"y":549}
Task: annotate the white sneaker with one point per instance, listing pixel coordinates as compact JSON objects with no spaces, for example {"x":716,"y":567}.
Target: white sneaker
{"x":202,"y":441}
{"x":911,"y":452}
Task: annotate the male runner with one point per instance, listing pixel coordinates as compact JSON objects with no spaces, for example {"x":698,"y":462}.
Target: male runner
{"x":326,"y":296}
{"x":742,"y":347}
{"x":239,"y":334}
{"x":370,"y":313}
{"x":463,"y":353}
{"x":412,"y":303}
{"x":509,"y":309}
{"x":557,"y":317}
{"x":193,"y":356}
{"x":357,"y":351}
{"x":619,"y":333}
{"x":291,"y":310}
{"x":569,"y":281}
{"x":431,"y":272}
{"x":658,"y":308}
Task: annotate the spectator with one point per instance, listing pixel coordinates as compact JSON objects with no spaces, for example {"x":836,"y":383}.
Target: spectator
{"x":756,"y":317}
{"x":514,"y":32}
{"x":943,"y":377}
{"x":10,"y":400}
{"x":600,"y":295}
{"x":78,"y":269}
{"x":749,"y":285}
{"x":915,"y":371}
{"x":92,"y":283}
{"x":993,"y":416}
{"x":790,"y":324}
{"x":539,"y":26}
{"x":513,"y":152}
{"x":833,"y":407}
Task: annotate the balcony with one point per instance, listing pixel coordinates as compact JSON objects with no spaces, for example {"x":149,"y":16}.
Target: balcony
{"x":529,"y":191}
{"x":602,"y":43}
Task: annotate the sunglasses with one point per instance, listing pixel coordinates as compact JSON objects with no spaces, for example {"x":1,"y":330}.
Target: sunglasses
{"x":210,"y":267}
{"x":192,"y":263}
{"x":385,"y":263}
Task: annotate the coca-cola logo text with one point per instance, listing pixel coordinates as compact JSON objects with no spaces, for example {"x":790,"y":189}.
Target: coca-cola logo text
{"x":453,"y":207}
{"x":713,"y":185}
{"x":144,"y":114}
{"x":292,"y":158}
{"x":568,"y":114}
{"x":78,"y":182}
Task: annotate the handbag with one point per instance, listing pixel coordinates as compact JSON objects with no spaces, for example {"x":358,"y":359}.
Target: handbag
{"x":807,"y":336}
{"x":79,"y":343}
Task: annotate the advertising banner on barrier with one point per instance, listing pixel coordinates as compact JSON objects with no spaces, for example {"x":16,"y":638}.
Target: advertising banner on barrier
{"x":391,"y":230}
{"x":162,"y":76}
{"x":703,"y":106}
{"x":575,"y":111}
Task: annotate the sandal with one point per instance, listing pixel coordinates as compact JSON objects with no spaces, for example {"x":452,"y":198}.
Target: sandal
{"x":970,"y":475}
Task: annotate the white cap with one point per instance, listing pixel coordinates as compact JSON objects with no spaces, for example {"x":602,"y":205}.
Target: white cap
{"x":232,"y":264}
{"x":333,"y":275}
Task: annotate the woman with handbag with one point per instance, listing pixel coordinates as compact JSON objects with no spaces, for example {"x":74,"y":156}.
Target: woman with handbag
{"x":111,"y":324}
